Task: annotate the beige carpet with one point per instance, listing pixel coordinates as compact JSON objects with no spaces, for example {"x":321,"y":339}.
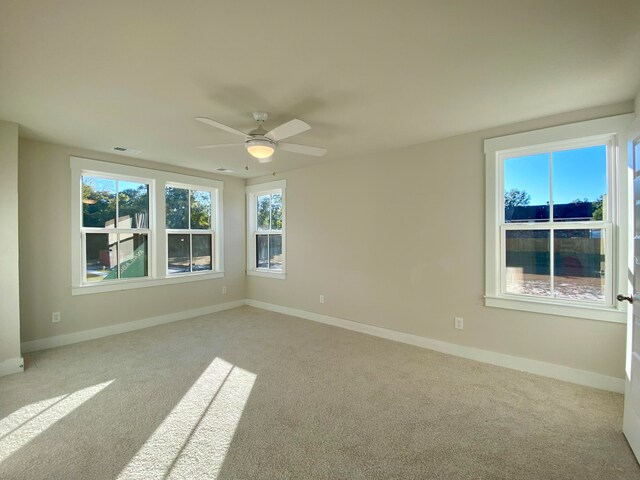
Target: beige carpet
{"x":253,"y":394}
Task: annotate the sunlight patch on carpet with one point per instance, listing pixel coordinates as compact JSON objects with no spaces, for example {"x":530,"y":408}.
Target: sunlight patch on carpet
{"x":23,"y":415}
{"x":193,"y":439}
{"x":43,"y":415}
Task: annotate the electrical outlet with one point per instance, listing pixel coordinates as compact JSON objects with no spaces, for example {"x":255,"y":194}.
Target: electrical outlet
{"x":224,"y":290}
{"x":459,"y":323}
{"x":55,"y":317}
{"x":321,"y":298}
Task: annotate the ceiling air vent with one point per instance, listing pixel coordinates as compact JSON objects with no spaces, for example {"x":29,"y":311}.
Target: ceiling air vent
{"x":129,"y":151}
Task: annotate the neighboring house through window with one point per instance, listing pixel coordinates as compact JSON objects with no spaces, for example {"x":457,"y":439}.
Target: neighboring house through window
{"x":115,"y":227}
{"x":136,"y":227}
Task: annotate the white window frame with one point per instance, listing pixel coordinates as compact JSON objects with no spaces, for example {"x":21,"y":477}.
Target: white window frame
{"x":194,"y":231}
{"x":157,"y":241}
{"x":610,"y":131}
{"x":252,"y":192}
{"x":115,"y":230}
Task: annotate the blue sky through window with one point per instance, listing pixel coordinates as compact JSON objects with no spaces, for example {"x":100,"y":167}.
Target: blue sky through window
{"x":531,"y":174}
{"x":577,"y":174}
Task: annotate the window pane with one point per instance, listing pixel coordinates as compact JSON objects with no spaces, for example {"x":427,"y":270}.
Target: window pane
{"x":133,"y":205}
{"x":276,"y":211}
{"x":580,"y":184}
{"x":262,"y":251}
{"x":264,"y":210}
{"x":177,"y":205}
{"x":98,"y":202}
{"x":200,"y":210}
{"x":526,"y":188}
{"x":201,"y":252}
{"x":528,"y":266}
{"x":101,"y":256}
{"x":275,"y":252}
{"x":134,"y":260}
{"x":179,"y":253}
{"x":579,"y":264}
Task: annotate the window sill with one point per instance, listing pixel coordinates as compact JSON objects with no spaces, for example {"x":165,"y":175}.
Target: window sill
{"x":267,"y":274}
{"x":605,"y":314}
{"x":143,"y":283}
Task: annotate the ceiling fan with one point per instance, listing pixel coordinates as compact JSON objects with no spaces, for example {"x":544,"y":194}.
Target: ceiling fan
{"x":261,"y":143}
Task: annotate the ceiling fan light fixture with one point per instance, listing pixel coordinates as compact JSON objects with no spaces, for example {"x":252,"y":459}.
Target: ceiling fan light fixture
{"x":260,"y":143}
{"x":260,"y":149}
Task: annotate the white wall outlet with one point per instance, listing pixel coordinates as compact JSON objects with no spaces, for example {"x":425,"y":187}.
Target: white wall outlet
{"x":224,"y":290}
{"x":459,"y":323}
{"x":321,"y":298}
{"x":55,"y":317}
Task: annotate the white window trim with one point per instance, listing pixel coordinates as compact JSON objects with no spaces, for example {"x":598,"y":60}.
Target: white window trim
{"x":521,"y":143}
{"x":158,"y":233}
{"x":191,"y":231}
{"x":252,"y":192}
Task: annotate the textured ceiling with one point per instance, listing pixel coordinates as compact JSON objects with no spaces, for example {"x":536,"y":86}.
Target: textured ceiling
{"x":366,"y":75}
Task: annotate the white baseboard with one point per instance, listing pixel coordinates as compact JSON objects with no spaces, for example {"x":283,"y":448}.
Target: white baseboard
{"x":560,"y":372}
{"x":60,"y":340}
{"x":12,"y":365}
{"x":552,"y":370}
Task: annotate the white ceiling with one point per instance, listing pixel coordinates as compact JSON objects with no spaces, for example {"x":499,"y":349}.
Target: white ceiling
{"x":366,"y":75}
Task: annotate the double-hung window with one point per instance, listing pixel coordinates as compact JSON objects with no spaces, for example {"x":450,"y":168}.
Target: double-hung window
{"x":115,"y":227}
{"x":190,"y":234}
{"x":266,"y":229}
{"x":554,"y":240}
{"x":136,"y":227}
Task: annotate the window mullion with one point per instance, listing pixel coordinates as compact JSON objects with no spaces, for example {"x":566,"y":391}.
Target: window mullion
{"x":552,"y":246}
{"x":551,"y":187}
{"x":552,"y":266}
{"x":117,"y":233}
{"x":189,"y":209}
{"x":269,"y":248}
{"x":117,"y":204}
{"x":190,"y":250}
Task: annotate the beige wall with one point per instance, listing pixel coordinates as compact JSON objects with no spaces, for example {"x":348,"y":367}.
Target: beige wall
{"x":397,"y":241}
{"x":9,"y":294}
{"x":45,"y":253}
{"x":361,"y":232}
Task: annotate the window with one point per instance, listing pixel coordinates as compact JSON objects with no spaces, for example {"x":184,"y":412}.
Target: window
{"x":553,"y":238}
{"x":266,"y":229}
{"x":115,"y":228}
{"x":190,"y":236}
{"x":136,"y":227}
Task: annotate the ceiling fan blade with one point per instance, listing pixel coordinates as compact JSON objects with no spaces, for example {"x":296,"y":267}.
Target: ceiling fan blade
{"x":221,"y":145}
{"x":289,"y":129}
{"x":221,"y":126}
{"x":304,"y":149}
